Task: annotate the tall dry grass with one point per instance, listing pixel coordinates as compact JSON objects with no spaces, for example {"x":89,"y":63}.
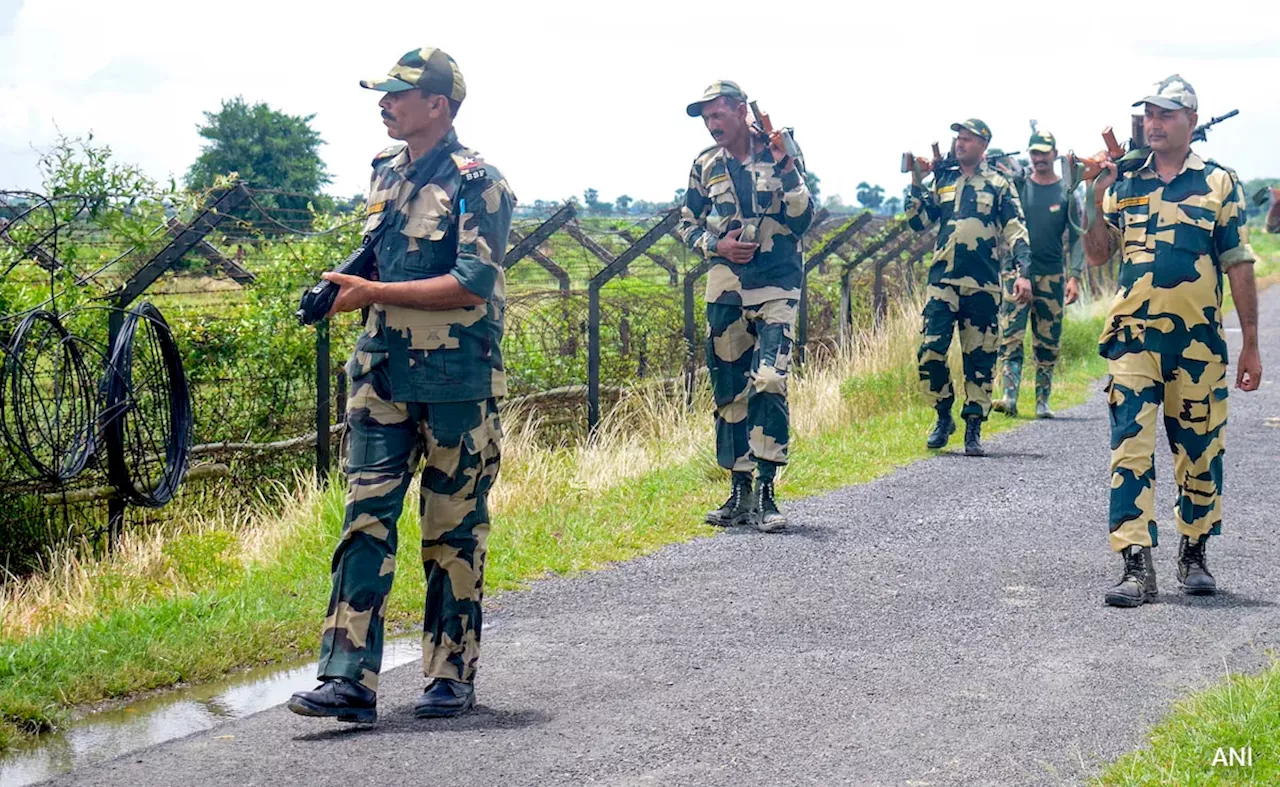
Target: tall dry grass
{"x":650,"y":428}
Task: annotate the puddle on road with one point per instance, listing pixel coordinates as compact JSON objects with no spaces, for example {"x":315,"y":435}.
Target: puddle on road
{"x":103,"y":736}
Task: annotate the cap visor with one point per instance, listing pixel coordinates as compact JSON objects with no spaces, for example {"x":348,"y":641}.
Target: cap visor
{"x":960,"y":127}
{"x":386,"y":84}
{"x":695,"y":109}
{"x":1040,"y":148}
{"x":1163,"y":103}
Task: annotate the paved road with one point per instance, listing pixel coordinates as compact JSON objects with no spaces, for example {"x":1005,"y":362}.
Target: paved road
{"x":943,"y":625}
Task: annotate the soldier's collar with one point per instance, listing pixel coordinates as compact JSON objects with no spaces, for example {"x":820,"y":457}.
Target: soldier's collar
{"x":402,"y":162}
{"x":1192,"y":161}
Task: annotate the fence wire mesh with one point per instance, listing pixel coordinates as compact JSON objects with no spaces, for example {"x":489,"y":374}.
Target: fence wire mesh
{"x":227,"y":280}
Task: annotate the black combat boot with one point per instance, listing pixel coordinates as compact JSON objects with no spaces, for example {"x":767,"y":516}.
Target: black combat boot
{"x":1138,"y":585}
{"x":737,"y":509}
{"x":1193,"y":569}
{"x":445,"y":697}
{"x":768,"y":518}
{"x":340,"y":697}
{"x":941,"y":431}
{"x":973,"y":436}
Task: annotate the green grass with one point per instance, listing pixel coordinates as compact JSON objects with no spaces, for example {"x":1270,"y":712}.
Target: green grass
{"x":1243,"y":712}
{"x":145,"y":637}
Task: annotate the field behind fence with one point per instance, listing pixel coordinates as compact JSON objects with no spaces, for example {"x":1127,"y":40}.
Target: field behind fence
{"x":596,"y":307}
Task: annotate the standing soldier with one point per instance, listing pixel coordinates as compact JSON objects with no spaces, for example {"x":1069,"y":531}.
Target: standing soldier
{"x":1044,"y":201}
{"x":1179,"y":223}
{"x":745,"y":210}
{"x":976,"y":210}
{"x":426,"y":376}
{"x":1273,"y":215}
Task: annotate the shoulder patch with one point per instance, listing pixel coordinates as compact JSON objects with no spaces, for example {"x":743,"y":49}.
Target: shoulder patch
{"x":389,"y":152}
{"x":469,"y":166}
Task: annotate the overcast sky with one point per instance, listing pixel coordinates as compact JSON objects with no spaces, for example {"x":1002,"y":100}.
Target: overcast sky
{"x":568,"y":95}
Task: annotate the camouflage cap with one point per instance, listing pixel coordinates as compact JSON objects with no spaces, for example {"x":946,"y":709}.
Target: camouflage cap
{"x":1172,"y":92}
{"x":1042,"y":142}
{"x":716,"y":89}
{"x":974,"y":125}
{"x":427,"y":68}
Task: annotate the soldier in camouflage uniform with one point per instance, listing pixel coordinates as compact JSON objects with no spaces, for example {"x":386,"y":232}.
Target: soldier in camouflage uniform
{"x":1179,"y":222}
{"x":745,"y":210}
{"x":976,"y":210}
{"x":426,"y":377}
{"x":1044,"y":202}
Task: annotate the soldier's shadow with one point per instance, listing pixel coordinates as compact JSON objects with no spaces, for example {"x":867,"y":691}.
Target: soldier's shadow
{"x":793,"y":530}
{"x":992,"y":453}
{"x":1223,"y":599}
{"x":399,"y":720}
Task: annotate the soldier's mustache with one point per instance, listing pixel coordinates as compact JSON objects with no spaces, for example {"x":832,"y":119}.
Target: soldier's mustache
{"x":717,"y":134}
{"x":387,"y":115}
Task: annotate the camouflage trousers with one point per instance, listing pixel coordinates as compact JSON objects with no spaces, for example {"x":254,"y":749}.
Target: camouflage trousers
{"x":461,"y":442}
{"x":748,"y":358}
{"x":975,"y":314}
{"x":1044,"y":312}
{"x":1193,"y":396}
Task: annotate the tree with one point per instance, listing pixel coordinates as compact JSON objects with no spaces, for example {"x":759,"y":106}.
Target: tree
{"x":870,"y":196}
{"x":893,"y":206}
{"x":834,"y":203}
{"x":811,"y":180}
{"x":624,"y":203}
{"x":679,"y":198}
{"x":269,"y":150}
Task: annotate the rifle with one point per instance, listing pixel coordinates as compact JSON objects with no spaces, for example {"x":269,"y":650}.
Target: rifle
{"x":939,"y":163}
{"x":781,"y":137}
{"x":1129,"y":158}
{"x":317,"y":301}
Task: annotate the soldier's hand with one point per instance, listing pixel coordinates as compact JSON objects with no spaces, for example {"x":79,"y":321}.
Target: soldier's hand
{"x":917,"y":177}
{"x":1022,"y":290}
{"x":354,"y":292}
{"x":735,"y":250}
{"x":1105,"y":178}
{"x":1249,"y":369}
{"x":780,"y":154}
{"x":1275,"y":194}
{"x":1072,"y":293}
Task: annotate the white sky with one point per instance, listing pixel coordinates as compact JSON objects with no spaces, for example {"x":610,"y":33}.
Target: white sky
{"x":567,"y":95}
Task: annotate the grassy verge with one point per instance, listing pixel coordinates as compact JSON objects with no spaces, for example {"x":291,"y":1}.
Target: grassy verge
{"x":1206,"y":738}
{"x":208,"y":596}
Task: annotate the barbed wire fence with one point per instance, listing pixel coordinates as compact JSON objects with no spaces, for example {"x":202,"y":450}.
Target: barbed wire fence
{"x":595,"y":306}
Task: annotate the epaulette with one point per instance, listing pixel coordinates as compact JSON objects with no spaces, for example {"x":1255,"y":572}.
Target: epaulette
{"x":389,"y":152}
{"x":1230,"y":172}
{"x":703,"y":153}
{"x":470,"y":167}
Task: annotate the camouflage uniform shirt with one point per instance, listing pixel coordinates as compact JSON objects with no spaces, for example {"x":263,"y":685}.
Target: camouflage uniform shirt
{"x":976,"y":215}
{"x":446,"y":213}
{"x":1176,"y":239}
{"x":773,"y":207}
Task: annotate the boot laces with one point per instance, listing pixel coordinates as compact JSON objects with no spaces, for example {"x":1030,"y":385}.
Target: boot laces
{"x":1135,"y":566}
{"x":767,"y":503}
{"x":740,"y":489}
{"x":1193,"y":554}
